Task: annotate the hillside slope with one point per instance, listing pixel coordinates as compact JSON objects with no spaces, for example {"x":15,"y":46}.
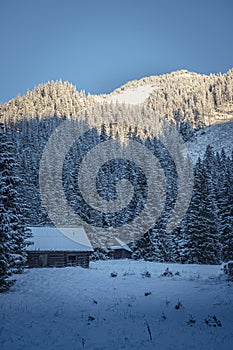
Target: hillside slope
{"x":188,"y":99}
{"x":181,"y":96}
{"x":218,"y":136}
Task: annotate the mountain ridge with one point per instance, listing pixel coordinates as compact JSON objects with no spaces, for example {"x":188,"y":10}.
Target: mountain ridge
{"x":179,"y":92}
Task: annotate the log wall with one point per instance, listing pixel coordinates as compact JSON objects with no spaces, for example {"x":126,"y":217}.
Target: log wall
{"x":57,"y":259}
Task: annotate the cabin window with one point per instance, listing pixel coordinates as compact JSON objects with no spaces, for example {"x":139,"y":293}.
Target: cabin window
{"x":72,"y":260}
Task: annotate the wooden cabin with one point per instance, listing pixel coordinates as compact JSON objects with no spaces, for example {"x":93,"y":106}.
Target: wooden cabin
{"x":120,"y":251}
{"x":58,"y":247}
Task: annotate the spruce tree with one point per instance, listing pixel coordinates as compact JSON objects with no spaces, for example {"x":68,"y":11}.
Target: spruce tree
{"x":201,"y":221}
{"x":225,"y":206}
{"x":12,"y":226}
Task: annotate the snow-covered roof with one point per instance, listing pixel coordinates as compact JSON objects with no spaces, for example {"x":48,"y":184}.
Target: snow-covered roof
{"x":122,"y":245}
{"x":59,"y":239}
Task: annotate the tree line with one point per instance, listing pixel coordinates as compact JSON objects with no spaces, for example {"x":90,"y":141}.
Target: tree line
{"x":205,"y":233}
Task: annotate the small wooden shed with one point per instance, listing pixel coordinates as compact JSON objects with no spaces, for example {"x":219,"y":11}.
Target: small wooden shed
{"x":58,"y":247}
{"x":121,"y":250}
{"x":228,"y":269}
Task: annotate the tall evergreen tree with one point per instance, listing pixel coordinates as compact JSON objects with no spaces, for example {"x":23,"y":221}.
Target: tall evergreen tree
{"x":12,"y":226}
{"x":200,"y":225}
{"x":225,"y":206}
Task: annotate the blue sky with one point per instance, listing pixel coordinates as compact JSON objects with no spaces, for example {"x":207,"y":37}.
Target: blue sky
{"x":99,"y":45}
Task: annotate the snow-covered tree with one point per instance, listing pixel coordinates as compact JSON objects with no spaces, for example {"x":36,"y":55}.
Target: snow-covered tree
{"x":201,"y":224}
{"x":13,"y":231}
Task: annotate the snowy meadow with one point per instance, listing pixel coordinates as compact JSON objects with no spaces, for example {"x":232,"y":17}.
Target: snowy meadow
{"x":121,"y":304}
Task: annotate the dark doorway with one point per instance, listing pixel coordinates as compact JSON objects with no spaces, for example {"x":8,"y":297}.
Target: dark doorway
{"x":43,"y":260}
{"x":72,"y":260}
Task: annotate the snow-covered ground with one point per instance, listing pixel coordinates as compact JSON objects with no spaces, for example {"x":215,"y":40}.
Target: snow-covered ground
{"x":218,"y":136}
{"x":131,"y":96}
{"x":75,"y":308}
